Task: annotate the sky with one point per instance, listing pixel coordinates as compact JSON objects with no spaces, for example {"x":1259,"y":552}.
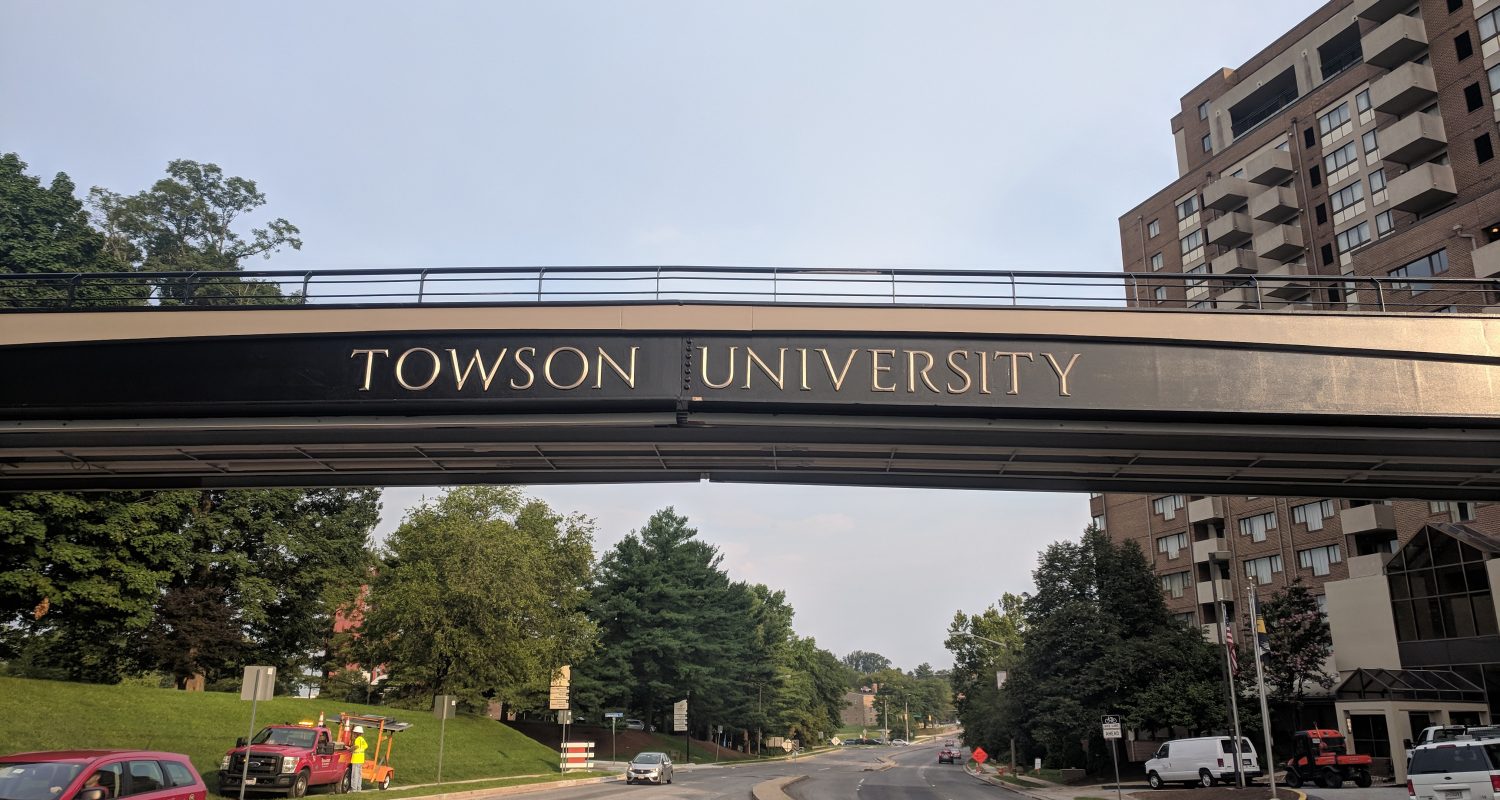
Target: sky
{"x":996,"y":134}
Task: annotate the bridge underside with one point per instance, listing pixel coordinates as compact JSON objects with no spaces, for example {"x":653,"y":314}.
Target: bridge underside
{"x":1326,"y":405}
{"x":1037,"y":454}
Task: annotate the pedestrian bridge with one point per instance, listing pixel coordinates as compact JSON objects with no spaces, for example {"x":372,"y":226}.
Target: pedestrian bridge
{"x":1028,"y":381}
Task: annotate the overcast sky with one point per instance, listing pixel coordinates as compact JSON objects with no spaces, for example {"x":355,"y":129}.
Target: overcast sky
{"x":997,"y":134}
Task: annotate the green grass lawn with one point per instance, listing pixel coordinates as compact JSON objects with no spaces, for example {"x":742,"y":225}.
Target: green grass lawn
{"x":49,"y":715}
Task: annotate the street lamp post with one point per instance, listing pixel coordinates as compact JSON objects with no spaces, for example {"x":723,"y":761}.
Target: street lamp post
{"x":997,"y":687}
{"x":1215,"y":558}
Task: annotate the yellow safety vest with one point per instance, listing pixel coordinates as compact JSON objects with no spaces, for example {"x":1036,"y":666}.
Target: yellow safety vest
{"x":360,"y":746}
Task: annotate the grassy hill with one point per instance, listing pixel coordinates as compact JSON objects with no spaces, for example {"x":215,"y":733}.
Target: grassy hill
{"x":49,"y":715}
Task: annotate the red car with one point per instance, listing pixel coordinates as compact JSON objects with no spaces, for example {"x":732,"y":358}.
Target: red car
{"x":100,"y":775}
{"x":947,"y":755}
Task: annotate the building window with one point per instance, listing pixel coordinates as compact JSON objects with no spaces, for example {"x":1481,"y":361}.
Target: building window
{"x":1330,"y":122}
{"x":1255,"y":527}
{"x":1260,"y":570}
{"x":1488,"y":26}
{"x":1313,"y":514}
{"x":1319,"y":559}
{"x":1473,"y":97}
{"x":1187,"y":618}
{"x":1202,"y":305}
{"x":1454,"y":5}
{"x":1463,"y":46}
{"x":1172,"y":545}
{"x":1176,"y":584}
{"x":1314,"y":177}
{"x":1377,"y":181}
{"x":1340,"y":158}
{"x":1457,"y":510}
{"x":1193,"y":241}
{"x":1167,"y":506}
{"x":1483,"y":149}
{"x":1326,"y":252}
{"x":1099,"y":521}
{"x":1494,"y":76}
{"x":1187,"y":208}
{"x":1362,"y":101}
{"x":1424,"y":267}
{"x":1440,"y":589}
{"x":1320,"y":213}
{"x":1203,"y":110}
{"x":1347,"y":196}
{"x":1208,"y":143}
{"x":1384,"y":223}
{"x":1371,"y":144}
{"x":1355,"y":237}
{"x":1160,"y":293}
{"x":1156,"y":261}
{"x":1153,"y":228}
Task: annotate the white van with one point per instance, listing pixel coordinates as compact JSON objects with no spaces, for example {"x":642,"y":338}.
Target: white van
{"x":1202,"y":761}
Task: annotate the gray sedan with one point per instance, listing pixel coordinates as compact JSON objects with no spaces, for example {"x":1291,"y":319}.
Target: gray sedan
{"x":649,"y":768}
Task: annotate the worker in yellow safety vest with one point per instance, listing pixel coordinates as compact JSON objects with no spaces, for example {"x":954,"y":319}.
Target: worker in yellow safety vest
{"x":357,"y":761}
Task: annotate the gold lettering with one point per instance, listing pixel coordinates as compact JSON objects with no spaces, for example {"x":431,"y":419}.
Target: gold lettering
{"x":1015,"y":369}
{"x":437,"y":366}
{"x":876,"y":369}
{"x":912,"y":371}
{"x":1062,"y":374}
{"x":751,"y":357}
{"x":525,"y":367}
{"x":984,"y":373}
{"x":461,"y":375}
{"x":802,"y":353}
{"x":369,"y":363}
{"x":960,"y":370}
{"x":837,"y":378}
{"x":703,"y":370}
{"x":599,"y":369}
{"x":582,"y":375}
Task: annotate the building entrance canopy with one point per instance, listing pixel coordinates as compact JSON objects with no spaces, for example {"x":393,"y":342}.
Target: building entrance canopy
{"x":902,"y":393}
{"x":1436,"y":685}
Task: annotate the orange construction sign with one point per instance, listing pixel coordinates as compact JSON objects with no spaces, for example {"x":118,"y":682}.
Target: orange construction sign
{"x":979,"y":755}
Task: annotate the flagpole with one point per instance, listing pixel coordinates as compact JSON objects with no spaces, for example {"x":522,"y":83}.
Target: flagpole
{"x":1214,"y":559}
{"x":1234,"y":706}
{"x":1260,"y":683}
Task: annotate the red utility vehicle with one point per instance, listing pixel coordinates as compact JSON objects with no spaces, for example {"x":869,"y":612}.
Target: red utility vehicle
{"x":1319,"y":756}
{"x":100,"y":775}
{"x":287,"y":759}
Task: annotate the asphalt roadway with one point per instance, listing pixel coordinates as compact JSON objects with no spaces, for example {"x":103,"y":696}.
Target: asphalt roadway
{"x":848,"y":774}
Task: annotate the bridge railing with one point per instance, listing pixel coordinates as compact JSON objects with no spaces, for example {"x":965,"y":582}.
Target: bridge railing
{"x":36,"y":292}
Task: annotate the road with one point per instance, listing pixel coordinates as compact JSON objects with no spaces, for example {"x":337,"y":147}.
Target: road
{"x":851,"y":774}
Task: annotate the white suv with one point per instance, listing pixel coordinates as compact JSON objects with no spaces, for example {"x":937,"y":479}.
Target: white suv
{"x":1455,"y":770}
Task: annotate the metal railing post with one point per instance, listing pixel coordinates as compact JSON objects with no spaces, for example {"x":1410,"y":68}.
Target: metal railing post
{"x":775,"y":286}
{"x":1260,"y":296}
{"x":658,"y":284}
{"x":541,"y":274}
{"x":73,"y":289}
{"x":306,"y":280}
{"x":1379,"y":294}
{"x":421,"y":287}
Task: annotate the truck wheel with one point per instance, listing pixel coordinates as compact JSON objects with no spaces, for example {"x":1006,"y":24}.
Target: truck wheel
{"x":1293,"y":778}
{"x":299,"y":786}
{"x":1332,"y":779}
{"x":1362,"y":779}
{"x":1205,"y":778}
{"x":1155,"y":780}
{"x":344,"y":784}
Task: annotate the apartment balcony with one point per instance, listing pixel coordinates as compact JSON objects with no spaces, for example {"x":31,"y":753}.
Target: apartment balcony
{"x":1413,"y":138}
{"x":1374,"y":518}
{"x":1206,"y":509}
{"x":1379,"y":10}
{"x":1422,"y":188}
{"x":1370,"y":566}
{"x":1486,"y":261}
{"x":1283,"y":242}
{"x":1226,"y":194}
{"x":1213,"y":544}
{"x":1286,"y":281}
{"x":1241,"y":260}
{"x":1404,"y":89}
{"x":1277,"y":204}
{"x":1238,"y":297}
{"x":1211,"y":633}
{"x":1206,"y":590}
{"x":1398,"y":40}
{"x":1230,"y":230}
{"x":1269,"y":168}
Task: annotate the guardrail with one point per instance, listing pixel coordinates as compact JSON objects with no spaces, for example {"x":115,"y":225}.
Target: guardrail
{"x":37,"y":292}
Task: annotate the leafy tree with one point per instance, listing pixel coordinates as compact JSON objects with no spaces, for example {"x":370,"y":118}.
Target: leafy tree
{"x":1299,"y":643}
{"x":45,"y":229}
{"x":865,"y":662}
{"x":481,"y":594}
{"x":976,"y":662}
{"x":187,"y":221}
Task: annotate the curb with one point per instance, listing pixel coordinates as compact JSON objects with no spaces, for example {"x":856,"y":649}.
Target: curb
{"x":775,"y":789}
{"x":525,"y":788}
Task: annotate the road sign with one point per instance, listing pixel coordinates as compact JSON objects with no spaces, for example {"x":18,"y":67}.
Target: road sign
{"x":443,"y":706}
{"x":979,"y":755}
{"x":679,"y":716}
{"x":614,"y":715}
{"x":1112,"y":724}
{"x":557,"y":694}
{"x":258,"y":683}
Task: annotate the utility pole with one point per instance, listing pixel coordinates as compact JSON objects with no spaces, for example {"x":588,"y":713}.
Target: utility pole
{"x":1214,"y":559}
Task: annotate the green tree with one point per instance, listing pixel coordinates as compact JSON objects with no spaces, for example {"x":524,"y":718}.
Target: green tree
{"x":865,"y":662}
{"x":187,"y":221}
{"x":976,"y":695}
{"x":45,"y":229}
{"x":482,"y":594}
{"x":1299,"y":644}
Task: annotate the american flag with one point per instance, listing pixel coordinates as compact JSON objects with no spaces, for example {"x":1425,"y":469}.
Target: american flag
{"x":1234,"y":659}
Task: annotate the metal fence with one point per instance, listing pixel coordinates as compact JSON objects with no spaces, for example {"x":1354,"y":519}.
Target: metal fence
{"x":35,"y":292}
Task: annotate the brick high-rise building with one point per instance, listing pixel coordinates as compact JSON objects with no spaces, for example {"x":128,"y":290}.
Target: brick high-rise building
{"x":1360,"y":143}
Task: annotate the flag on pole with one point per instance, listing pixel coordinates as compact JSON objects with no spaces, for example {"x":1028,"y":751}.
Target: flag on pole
{"x":1262,"y":639}
{"x":1234,"y":660}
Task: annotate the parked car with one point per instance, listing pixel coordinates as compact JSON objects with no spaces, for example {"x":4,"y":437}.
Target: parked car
{"x":634,"y":725}
{"x":1468,"y":769}
{"x":1201,"y":761}
{"x":947,"y":755}
{"x":900,"y":743}
{"x":649,"y":768}
{"x":100,"y":775}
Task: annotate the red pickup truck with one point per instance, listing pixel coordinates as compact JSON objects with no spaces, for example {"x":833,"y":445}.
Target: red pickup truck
{"x":286,"y":759}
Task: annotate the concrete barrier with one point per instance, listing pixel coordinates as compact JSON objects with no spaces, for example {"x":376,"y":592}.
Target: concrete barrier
{"x":775,"y":789}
